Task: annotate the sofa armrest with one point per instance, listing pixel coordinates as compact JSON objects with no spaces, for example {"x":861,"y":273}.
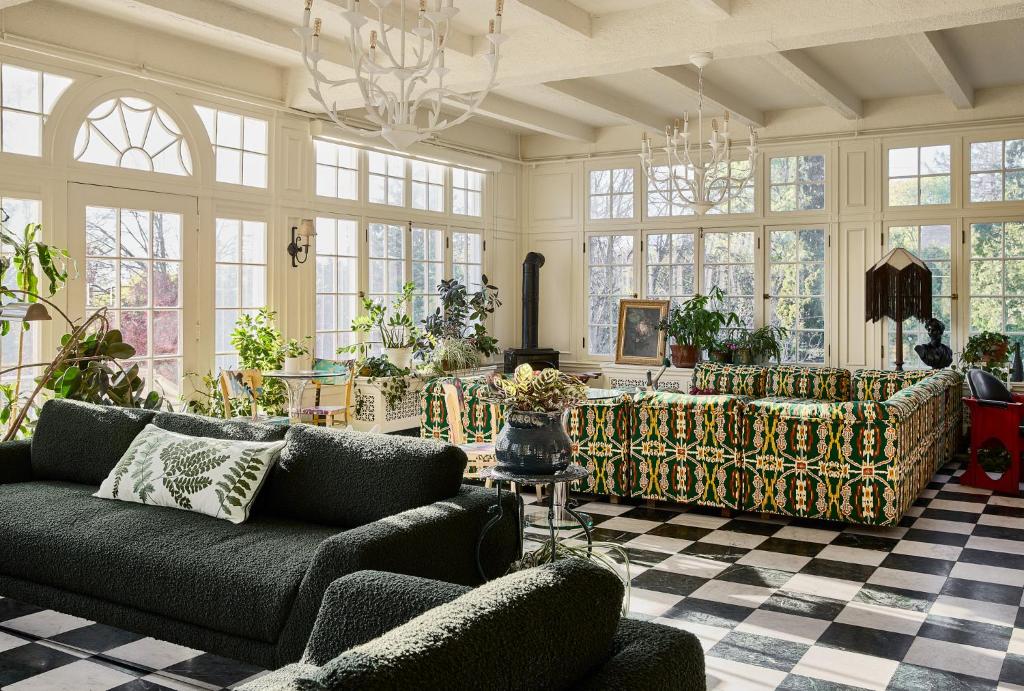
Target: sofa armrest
{"x":436,"y":541}
{"x":15,"y":461}
{"x":364,"y":605}
{"x":646,"y":655}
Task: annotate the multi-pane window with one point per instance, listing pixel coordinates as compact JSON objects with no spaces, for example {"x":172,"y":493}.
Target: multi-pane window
{"x":387,"y":261}
{"x":26,"y":98}
{"x":427,"y":270}
{"x":337,"y":170}
{"x":932,"y":244}
{"x":133,"y":267}
{"x":997,"y":171}
{"x":796,"y":280}
{"x":797,"y":183}
{"x":919,"y":175}
{"x":337,"y":284}
{"x":611,"y":194}
{"x":467,"y":258}
{"x":386,"y":178}
{"x":610,"y":265}
{"x":427,"y":186}
{"x":997,"y":278}
{"x":729,"y":264}
{"x":19,"y":214}
{"x":739,"y":195}
{"x":670,"y":266}
{"x":132,"y":133}
{"x":239,"y":146}
{"x":241,"y":280}
{"x":467,"y":192}
{"x":663,"y":195}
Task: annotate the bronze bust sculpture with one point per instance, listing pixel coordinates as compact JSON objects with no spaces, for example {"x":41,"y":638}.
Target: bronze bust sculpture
{"x":934,"y":353}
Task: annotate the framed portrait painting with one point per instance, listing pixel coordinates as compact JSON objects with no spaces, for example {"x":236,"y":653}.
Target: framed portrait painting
{"x":640,"y":341}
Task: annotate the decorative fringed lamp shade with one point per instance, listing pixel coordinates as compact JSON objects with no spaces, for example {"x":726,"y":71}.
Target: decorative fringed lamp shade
{"x":899,"y":287}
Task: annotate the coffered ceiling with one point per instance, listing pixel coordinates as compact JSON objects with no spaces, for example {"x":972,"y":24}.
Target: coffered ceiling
{"x":572,"y":67}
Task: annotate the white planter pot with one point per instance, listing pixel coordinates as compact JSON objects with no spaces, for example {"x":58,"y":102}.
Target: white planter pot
{"x":399,"y":357}
{"x":294,"y":364}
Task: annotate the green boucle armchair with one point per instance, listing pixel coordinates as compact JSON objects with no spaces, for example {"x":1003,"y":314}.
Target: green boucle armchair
{"x":381,"y":631}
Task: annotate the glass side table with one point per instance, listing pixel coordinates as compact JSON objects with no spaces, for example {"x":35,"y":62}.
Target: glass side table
{"x":561,"y":480}
{"x":296,"y":384}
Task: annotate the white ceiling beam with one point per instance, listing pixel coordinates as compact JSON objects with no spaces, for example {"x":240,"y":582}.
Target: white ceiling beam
{"x":799,"y":68}
{"x":609,"y":103}
{"x":224,"y":22}
{"x":687,"y":78}
{"x":562,"y":12}
{"x":4,"y":4}
{"x":718,"y":9}
{"x":522,"y":115}
{"x":935,"y":55}
{"x":457,"y":41}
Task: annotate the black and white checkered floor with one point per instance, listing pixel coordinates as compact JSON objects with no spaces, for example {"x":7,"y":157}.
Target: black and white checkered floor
{"x":790,"y":604}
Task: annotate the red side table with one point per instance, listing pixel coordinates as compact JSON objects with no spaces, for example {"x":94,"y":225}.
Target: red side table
{"x":995,"y":421}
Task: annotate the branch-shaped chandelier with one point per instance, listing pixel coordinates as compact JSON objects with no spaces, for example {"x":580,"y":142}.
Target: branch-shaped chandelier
{"x":694,"y":171}
{"x":403,"y":86}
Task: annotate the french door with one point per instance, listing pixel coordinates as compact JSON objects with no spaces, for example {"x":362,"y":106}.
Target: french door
{"x":137,"y":257}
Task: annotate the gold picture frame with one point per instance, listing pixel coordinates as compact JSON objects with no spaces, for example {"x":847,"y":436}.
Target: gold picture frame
{"x":639,"y":341}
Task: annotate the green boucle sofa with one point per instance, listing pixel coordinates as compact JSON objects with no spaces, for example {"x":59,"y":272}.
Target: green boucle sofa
{"x":336,"y":503}
{"x":380,"y":631}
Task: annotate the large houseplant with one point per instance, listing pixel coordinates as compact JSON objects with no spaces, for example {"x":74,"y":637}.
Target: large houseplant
{"x":393,"y":324}
{"x":533,"y":440}
{"x":455,"y":336}
{"x":989,"y":351}
{"x":694,"y":326}
{"x":761,"y":345}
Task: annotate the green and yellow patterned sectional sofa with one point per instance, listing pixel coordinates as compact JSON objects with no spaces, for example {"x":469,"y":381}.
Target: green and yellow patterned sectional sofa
{"x":797,"y":441}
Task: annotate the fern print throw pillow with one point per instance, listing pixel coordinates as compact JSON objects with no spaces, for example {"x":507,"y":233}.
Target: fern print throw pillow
{"x":216,"y":477}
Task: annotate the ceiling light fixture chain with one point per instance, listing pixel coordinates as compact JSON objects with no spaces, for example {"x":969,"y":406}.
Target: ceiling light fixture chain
{"x":697,"y":173}
{"x":404,"y":91}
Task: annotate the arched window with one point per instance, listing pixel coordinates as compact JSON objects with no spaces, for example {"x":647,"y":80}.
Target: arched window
{"x":133,"y":133}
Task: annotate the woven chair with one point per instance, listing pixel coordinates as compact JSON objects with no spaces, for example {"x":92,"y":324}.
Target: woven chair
{"x":246,"y":384}
{"x":335,"y":374}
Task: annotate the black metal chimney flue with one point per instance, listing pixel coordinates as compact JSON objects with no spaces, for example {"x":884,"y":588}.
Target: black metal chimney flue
{"x":529,"y":353}
{"x":531,"y":298}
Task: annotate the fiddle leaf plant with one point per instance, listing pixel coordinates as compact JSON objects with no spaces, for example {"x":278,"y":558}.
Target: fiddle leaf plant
{"x":461,"y":316}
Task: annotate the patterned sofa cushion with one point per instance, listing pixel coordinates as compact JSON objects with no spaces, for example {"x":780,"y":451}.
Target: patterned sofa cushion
{"x":818,"y":383}
{"x":879,"y":385}
{"x":741,"y":380}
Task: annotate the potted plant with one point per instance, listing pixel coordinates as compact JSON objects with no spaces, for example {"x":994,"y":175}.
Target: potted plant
{"x":722,"y":350}
{"x":397,"y":332}
{"x":455,"y":336}
{"x":761,"y":345}
{"x":294,"y":355}
{"x":533,"y":440}
{"x":694,"y":326}
{"x":989,"y":351}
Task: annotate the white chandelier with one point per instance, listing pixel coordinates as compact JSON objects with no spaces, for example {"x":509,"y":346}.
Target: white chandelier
{"x":696,"y":171}
{"x":403,"y":86}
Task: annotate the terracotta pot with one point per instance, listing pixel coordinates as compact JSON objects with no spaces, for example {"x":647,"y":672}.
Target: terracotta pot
{"x":684,"y":355}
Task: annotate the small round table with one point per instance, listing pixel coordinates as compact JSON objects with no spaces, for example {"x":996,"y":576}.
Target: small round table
{"x":295,"y":382}
{"x":560,"y":479}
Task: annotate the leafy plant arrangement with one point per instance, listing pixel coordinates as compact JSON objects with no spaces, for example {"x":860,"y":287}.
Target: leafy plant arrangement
{"x":294,"y":348}
{"x":393,"y":324}
{"x":762,"y":345}
{"x":460,"y":317}
{"x":988,"y":350}
{"x":547,"y":391}
{"x":28,"y":254}
{"x":258,"y":342}
{"x":695,"y":323}
{"x":392,"y":380}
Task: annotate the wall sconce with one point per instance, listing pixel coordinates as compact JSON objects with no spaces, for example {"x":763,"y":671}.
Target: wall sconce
{"x":303,"y":233}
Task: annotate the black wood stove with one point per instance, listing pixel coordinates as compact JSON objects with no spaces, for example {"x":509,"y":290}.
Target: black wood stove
{"x":529,"y":353}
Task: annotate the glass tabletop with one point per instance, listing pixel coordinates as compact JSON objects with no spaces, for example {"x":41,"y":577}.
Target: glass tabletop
{"x":570,"y":474}
{"x":302,"y":374}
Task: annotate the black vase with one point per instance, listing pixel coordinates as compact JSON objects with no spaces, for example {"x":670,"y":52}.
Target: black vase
{"x":533,"y":444}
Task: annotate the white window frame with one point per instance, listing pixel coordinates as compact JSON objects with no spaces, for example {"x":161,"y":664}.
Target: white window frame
{"x":337,"y":168}
{"x":241,"y":219}
{"x":361,"y":248}
{"x":388,"y":177}
{"x":969,"y":171}
{"x":468,"y":190}
{"x":244,"y":150}
{"x":610,"y":194}
{"x":46,"y":104}
{"x":957,"y":326}
{"x":918,"y":144}
{"x":965,"y":315}
{"x":770,"y":298}
{"x":645,"y":243}
{"x":427,"y":184}
{"x":634,"y":293}
{"x":827,"y":185}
